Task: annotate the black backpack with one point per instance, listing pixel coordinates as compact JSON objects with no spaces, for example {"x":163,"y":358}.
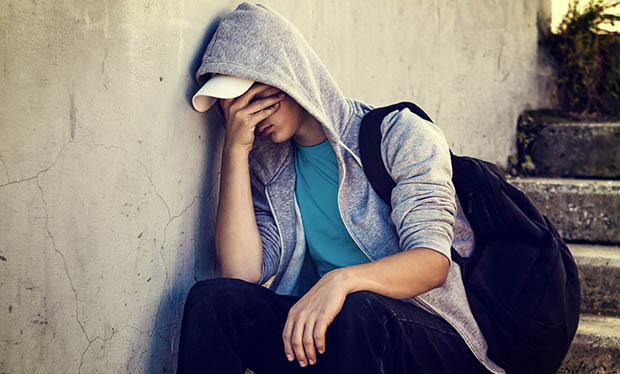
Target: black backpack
{"x":521,"y":281}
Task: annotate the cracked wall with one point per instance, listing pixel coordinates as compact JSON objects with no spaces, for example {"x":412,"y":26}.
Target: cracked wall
{"x":108,"y":178}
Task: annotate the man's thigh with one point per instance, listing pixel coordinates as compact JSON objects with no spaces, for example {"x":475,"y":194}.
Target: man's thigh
{"x":229,"y":324}
{"x":256,"y":318}
{"x":388,"y":335}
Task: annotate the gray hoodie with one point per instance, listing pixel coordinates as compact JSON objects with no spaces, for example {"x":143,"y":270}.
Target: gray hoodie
{"x":256,"y":43}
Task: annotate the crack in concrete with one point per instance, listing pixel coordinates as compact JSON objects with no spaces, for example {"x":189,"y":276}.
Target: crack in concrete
{"x":137,"y":329}
{"x":167,"y":280}
{"x":64,"y":262}
{"x":90,"y":342}
{"x":21,"y":180}
{"x":114,"y":332}
{"x":172,"y":218}
{"x":187,"y":207}
{"x":36,"y":176}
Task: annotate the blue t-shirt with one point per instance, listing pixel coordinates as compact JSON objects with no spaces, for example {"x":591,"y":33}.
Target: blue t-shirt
{"x":327,"y":240}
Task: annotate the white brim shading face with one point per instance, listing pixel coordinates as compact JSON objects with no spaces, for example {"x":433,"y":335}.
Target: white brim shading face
{"x":219,"y":87}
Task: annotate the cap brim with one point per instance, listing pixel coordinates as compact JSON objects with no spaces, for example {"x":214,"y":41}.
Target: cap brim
{"x":219,"y":87}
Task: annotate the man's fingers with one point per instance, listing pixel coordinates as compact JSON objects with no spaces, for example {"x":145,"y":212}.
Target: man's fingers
{"x":261,"y":104}
{"x":259,"y":116}
{"x":297,"y":343}
{"x":243,"y":100}
{"x":320,"y":328}
{"x":308,"y":341}
{"x":286,"y":339}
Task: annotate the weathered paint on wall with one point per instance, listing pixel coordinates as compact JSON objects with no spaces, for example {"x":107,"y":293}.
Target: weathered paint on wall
{"x":108,"y":178}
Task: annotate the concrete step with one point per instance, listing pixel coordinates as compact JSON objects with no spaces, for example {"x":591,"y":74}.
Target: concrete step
{"x":581,"y":209}
{"x":575,"y":149}
{"x":596,"y":347}
{"x":599,"y":275}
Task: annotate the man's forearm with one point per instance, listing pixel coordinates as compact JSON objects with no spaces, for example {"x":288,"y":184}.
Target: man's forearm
{"x":237,"y":240}
{"x":399,"y":276}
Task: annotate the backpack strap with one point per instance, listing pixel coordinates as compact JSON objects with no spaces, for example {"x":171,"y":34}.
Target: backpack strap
{"x":370,"y":147}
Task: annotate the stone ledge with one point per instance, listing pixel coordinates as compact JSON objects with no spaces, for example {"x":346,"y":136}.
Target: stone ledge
{"x":574,"y":149}
{"x":581,"y":209}
{"x":599,"y":275}
{"x":596,"y":347}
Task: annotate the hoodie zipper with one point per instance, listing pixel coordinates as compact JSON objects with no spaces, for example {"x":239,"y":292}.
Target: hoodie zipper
{"x":275,"y":218}
{"x":344,"y":174}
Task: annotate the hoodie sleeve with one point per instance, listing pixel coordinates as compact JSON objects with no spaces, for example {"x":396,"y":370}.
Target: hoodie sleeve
{"x":416,"y":155}
{"x":267,"y":230}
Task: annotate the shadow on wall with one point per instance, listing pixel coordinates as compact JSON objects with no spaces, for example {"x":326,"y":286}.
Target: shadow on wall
{"x":163,"y":347}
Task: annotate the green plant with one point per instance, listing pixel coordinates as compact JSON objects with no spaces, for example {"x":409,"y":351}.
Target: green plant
{"x":587,"y":60}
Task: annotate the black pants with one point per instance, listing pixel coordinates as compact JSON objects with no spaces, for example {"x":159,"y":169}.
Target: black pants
{"x":230,"y":325}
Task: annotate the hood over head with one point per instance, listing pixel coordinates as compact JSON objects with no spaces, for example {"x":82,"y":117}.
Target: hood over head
{"x":256,"y":43}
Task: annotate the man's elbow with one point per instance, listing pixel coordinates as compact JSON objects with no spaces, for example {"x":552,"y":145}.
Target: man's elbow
{"x":248,"y":276}
{"x":442,"y":270}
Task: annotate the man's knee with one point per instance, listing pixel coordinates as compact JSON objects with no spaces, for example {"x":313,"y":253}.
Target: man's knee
{"x":362,"y":301}
{"x":359,"y":327}
{"x":364,"y":309}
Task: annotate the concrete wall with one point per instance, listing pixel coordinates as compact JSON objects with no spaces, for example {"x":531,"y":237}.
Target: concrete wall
{"x":108,"y":178}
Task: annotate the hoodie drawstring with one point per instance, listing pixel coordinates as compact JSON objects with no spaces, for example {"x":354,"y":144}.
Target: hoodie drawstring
{"x":359,"y":161}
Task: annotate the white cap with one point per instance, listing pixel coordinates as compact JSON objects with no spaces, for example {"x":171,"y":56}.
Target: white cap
{"x":220,"y":86}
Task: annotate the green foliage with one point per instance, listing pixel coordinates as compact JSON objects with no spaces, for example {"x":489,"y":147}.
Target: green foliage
{"x":587,"y":60}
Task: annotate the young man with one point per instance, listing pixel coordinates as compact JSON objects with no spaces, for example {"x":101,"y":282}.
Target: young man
{"x":358,"y":286}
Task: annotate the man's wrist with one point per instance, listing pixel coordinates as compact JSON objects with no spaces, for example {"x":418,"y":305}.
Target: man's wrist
{"x":234,"y":153}
{"x":349,"y":279}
